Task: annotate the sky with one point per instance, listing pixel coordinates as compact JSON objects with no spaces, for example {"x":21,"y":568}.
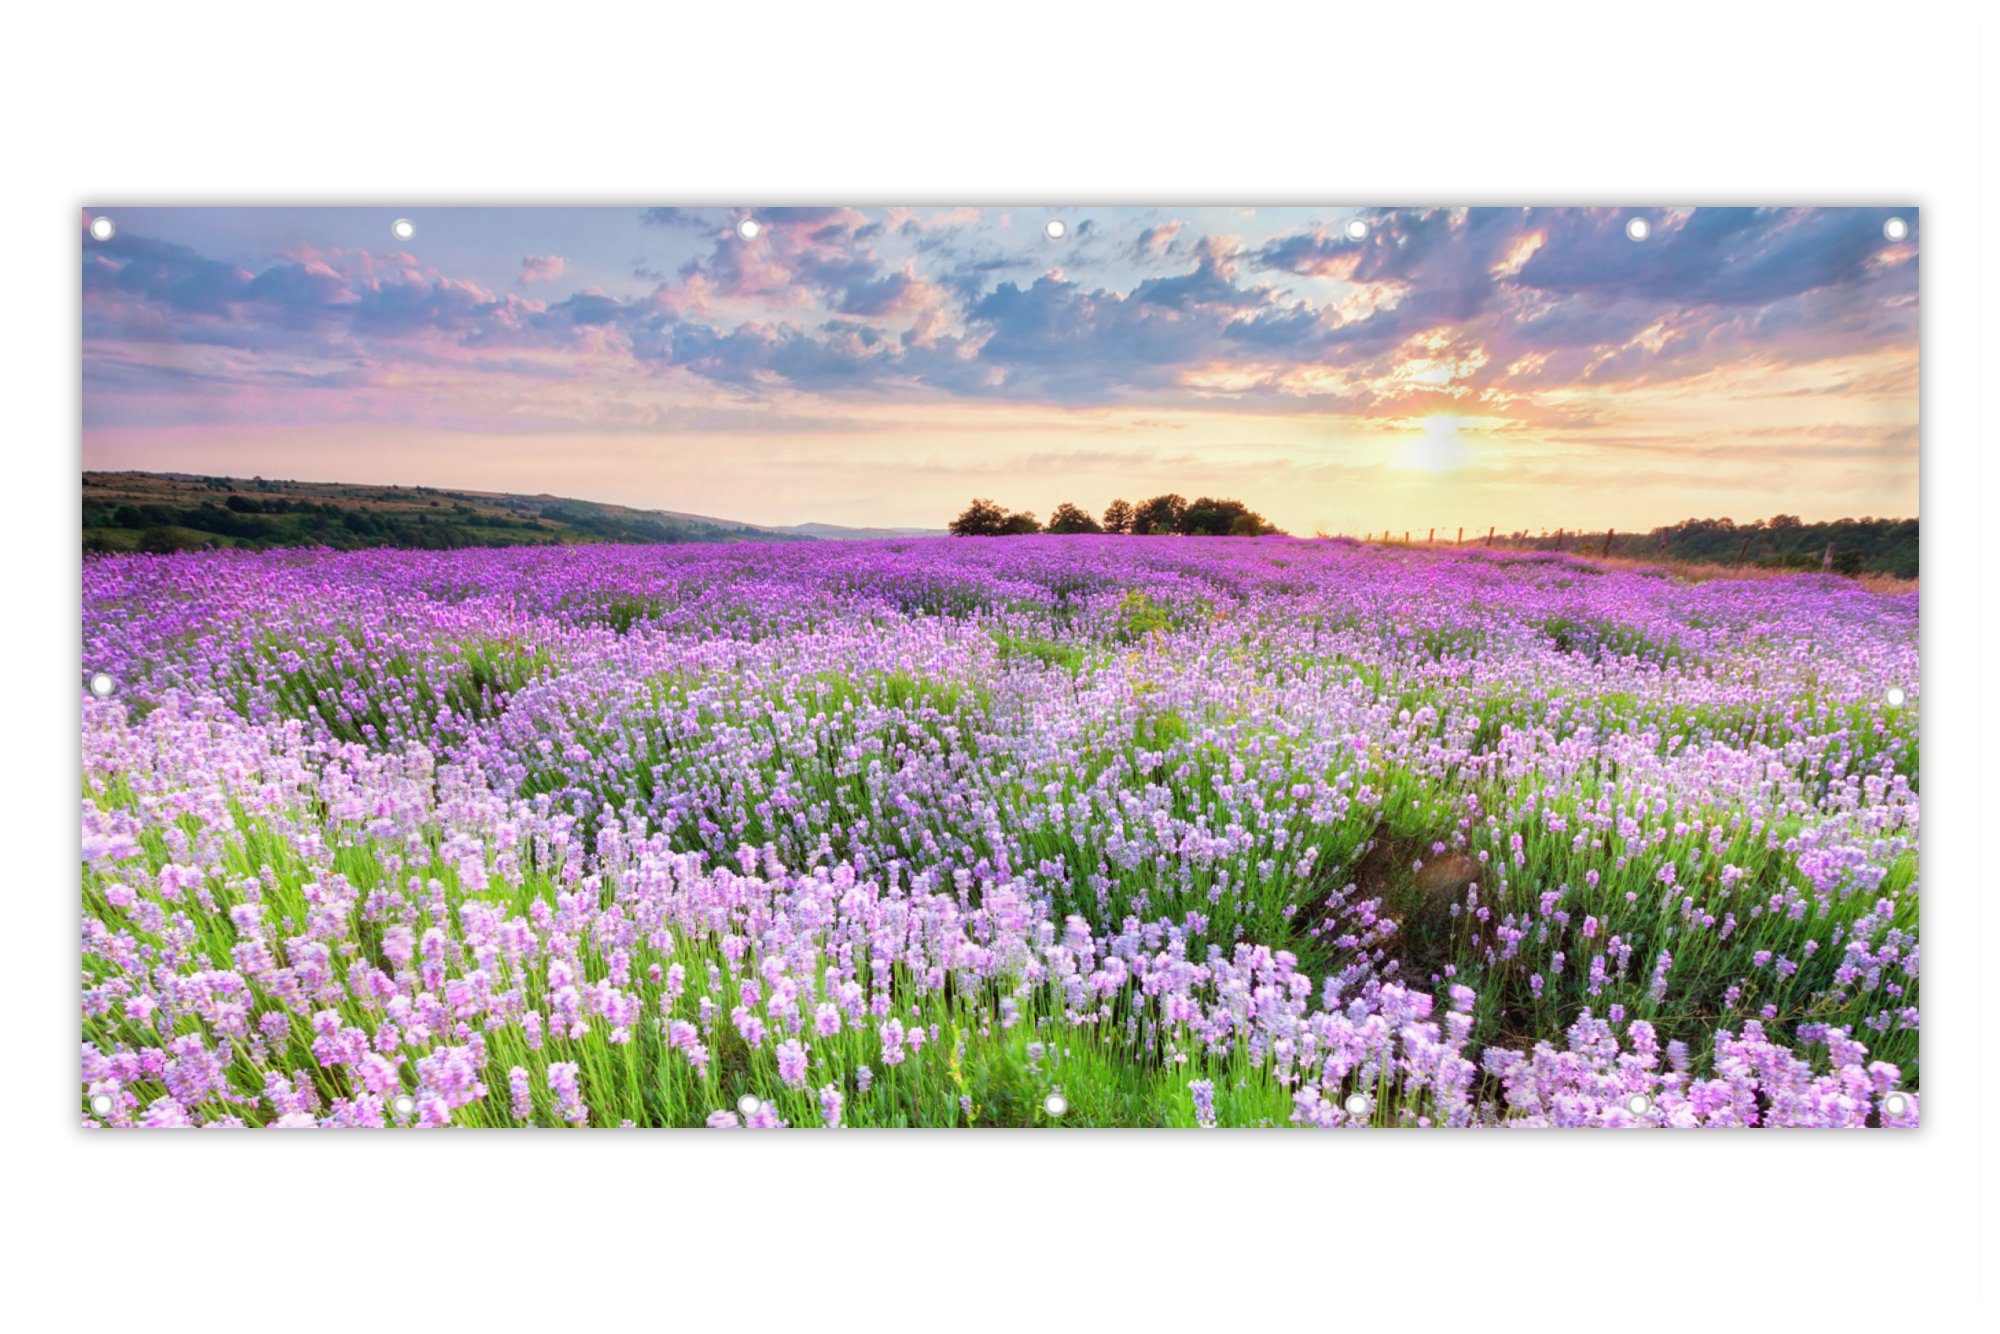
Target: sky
{"x":1340,"y":370}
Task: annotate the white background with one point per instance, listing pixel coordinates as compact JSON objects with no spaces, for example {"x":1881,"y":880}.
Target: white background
{"x":1650,"y":102}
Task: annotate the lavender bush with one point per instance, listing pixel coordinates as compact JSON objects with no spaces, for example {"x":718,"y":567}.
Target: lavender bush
{"x":1218,"y":833}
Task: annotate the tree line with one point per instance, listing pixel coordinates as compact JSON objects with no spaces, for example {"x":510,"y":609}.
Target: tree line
{"x":1205,"y":516}
{"x":1784,"y":541}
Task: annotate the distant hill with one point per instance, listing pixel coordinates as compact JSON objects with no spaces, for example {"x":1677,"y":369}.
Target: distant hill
{"x":833,"y":532}
{"x":139,"y":511}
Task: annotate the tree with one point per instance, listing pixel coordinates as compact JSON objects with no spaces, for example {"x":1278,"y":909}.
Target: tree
{"x":1209,"y":517}
{"x":982,"y":518}
{"x":1161,"y":514}
{"x":1118,"y":517}
{"x":1069,"y":519}
{"x":1019,"y":525}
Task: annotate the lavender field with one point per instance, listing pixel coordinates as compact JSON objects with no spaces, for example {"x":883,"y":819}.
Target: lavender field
{"x":1029,"y":831}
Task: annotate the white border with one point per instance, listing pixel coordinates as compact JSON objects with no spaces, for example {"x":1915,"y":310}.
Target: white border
{"x":1643,"y":102}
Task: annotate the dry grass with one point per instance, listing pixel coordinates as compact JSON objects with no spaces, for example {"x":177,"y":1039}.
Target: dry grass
{"x":1681,"y":571}
{"x":1692,"y":572}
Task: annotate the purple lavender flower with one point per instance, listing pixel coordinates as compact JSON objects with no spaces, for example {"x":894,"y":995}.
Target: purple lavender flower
{"x":792,"y":1063}
{"x":564,"y":1079}
{"x":393,"y":822}
{"x":1203,"y":1091}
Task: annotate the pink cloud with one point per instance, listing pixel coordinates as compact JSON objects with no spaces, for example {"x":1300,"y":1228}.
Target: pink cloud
{"x":541,"y":268}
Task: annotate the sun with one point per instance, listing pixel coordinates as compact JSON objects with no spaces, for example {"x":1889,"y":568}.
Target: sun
{"x":1437,"y":448}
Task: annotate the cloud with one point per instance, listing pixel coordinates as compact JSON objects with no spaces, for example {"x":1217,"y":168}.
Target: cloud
{"x":139,"y":287}
{"x":541,"y":268}
{"x":1056,"y":337}
{"x":1158,"y":239}
{"x":691,"y":219}
{"x":1710,"y":256}
{"x":1493,"y":309}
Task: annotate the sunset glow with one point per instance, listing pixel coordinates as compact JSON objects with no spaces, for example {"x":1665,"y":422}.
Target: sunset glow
{"x":1512,"y":367}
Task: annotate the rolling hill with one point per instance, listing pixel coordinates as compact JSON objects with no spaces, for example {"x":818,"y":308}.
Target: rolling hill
{"x":139,"y":511}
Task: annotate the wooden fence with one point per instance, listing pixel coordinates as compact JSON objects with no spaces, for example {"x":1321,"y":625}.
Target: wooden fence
{"x":1583,"y":542}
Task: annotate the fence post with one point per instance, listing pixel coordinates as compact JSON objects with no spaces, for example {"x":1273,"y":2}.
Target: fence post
{"x":1406,"y":537}
{"x":1744,"y":553}
{"x":1559,"y":539}
{"x":1489,"y":534}
{"x":1432,"y":540}
{"x":1826,"y":561}
{"x":1609,"y":533}
{"x":1461,"y":536}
